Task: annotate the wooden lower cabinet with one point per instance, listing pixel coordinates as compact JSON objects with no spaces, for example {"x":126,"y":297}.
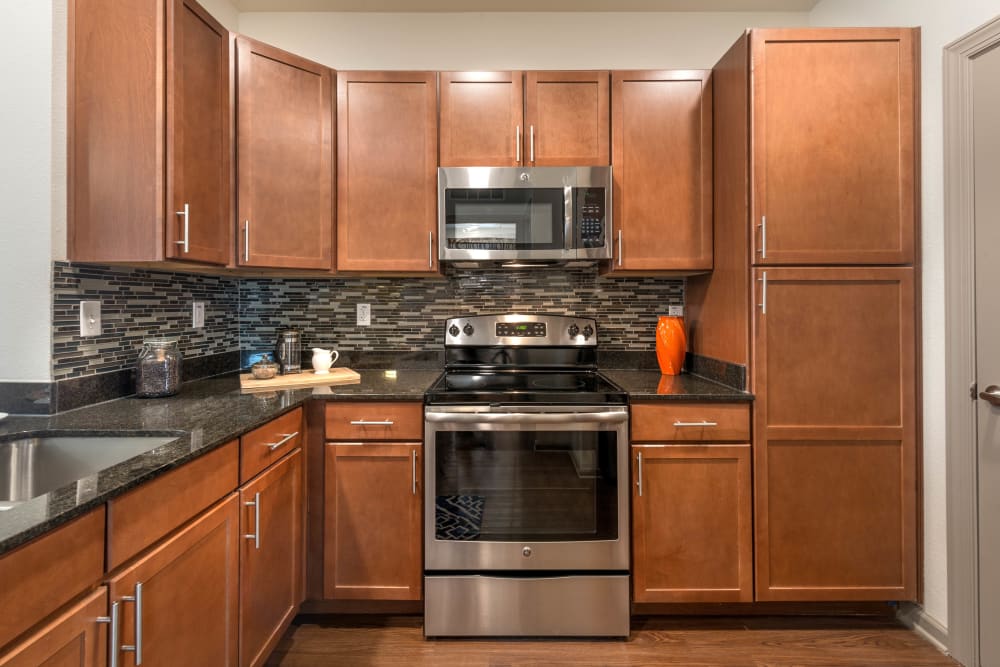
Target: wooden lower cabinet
{"x":271,"y":581}
{"x":835,"y":434}
{"x":76,"y":638}
{"x":372,"y":533}
{"x":179,"y":601}
{"x":691,"y":523}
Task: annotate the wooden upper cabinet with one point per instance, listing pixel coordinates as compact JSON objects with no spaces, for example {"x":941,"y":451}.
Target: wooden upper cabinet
{"x":284,"y":159}
{"x":835,"y":434}
{"x":504,"y":119}
{"x":661,"y":136}
{"x":149,"y":132}
{"x":834,"y":134}
{"x":481,"y":119}
{"x":387,"y":138}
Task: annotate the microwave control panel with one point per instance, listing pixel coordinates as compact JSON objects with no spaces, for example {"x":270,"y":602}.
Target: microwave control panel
{"x":589,"y":205}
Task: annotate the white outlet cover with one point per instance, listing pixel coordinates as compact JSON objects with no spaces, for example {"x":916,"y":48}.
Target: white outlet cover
{"x":198,"y":314}
{"x":90,"y":318}
{"x":675,"y":311}
{"x":364,"y":314}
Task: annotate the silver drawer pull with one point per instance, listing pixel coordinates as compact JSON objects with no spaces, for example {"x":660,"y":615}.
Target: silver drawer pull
{"x":695,"y":424}
{"x":137,"y":647}
{"x":287,"y":436}
{"x":113,"y":638}
{"x":365,"y":422}
{"x":255,"y":535}
{"x":639,"y":482}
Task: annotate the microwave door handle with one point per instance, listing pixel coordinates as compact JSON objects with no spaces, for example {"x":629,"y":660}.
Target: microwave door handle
{"x":569,"y":233}
{"x":526,"y":417}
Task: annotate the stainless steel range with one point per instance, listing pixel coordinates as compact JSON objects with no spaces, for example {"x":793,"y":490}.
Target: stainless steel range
{"x":526,"y":512}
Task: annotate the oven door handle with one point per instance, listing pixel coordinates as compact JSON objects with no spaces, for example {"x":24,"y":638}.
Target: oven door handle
{"x":527,"y":417}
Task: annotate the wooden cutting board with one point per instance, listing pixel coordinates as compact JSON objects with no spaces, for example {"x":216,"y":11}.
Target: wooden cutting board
{"x":296,"y":380}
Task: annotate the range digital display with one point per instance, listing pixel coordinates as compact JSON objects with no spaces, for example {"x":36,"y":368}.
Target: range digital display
{"x":521,"y":329}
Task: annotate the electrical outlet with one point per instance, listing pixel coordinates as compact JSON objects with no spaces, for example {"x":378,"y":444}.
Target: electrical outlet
{"x":90,"y":318}
{"x":675,"y":311}
{"x":364,"y":314}
{"x":198,"y":314}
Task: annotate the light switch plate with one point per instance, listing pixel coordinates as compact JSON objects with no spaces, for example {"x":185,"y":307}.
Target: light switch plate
{"x":364,"y":314}
{"x":198,"y":314}
{"x":675,"y":311}
{"x":90,"y":318}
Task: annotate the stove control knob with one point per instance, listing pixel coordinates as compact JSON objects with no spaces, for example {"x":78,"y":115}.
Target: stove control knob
{"x":453,"y":330}
{"x":468,"y":329}
{"x":526,"y":552}
{"x":574,"y":331}
{"x":588,"y":331}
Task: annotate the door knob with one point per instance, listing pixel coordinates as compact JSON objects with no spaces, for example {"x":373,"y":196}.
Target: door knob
{"x":992,"y":394}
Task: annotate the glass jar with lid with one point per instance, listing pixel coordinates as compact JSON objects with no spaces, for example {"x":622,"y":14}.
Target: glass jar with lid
{"x":158,"y":369}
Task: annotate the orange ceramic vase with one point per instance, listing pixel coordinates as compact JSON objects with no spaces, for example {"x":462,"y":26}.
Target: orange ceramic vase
{"x":671,"y":344}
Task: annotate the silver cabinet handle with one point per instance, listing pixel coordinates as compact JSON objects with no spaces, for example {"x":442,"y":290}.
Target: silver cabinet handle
{"x":532,"y":144}
{"x":137,"y":647}
{"x":619,"y":247}
{"x":430,"y":250}
{"x":113,"y":634}
{"x":763,"y":293}
{"x":365,"y":422}
{"x":526,"y":418}
{"x":517,"y":145}
{"x":287,"y":436}
{"x":187,"y":218}
{"x":639,"y":468}
{"x":697,"y":424}
{"x":991,"y":395}
{"x":414,"y":472}
{"x":255,"y":536}
{"x":246,"y":240}
{"x":763,"y":237}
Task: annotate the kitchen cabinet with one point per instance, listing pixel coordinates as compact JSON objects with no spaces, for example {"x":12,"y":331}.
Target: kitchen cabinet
{"x":373,"y":502}
{"x":271,"y":555}
{"x":284,"y":159}
{"x":178,"y":603}
{"x":835,"y":434}
{"x":387,"y":137}
{"x":518,"y":118}
{"x":269,"y":443}
{"x":78,"y":636}
{"x":661,"y":139}
{"x":834,"y":145}
{"x":150,"y":138}
{"x":691,"y":503}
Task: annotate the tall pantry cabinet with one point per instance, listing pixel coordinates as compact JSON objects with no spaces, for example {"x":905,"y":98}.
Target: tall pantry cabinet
{"x":816,"y":226}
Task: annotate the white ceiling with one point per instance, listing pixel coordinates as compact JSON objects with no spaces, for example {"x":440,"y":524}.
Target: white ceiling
{"x":525,"y":5}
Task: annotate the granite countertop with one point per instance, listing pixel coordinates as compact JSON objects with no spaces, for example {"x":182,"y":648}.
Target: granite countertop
{"x":204,"y":415}
{"x":649,"y":385}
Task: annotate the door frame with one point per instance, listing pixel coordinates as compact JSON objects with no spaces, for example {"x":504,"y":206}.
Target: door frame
{"x":960,"y":280}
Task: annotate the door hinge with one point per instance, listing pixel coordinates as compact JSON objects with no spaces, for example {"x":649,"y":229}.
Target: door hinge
{"x":973,"y":393}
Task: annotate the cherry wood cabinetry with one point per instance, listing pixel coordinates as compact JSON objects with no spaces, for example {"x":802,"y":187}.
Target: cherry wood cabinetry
{"x":179,"y":601}
{"x":78,"y":637}
{"x":373,"y":492}
{"x":503,"y":119}
{"x":835,"y":434}
{"x":691,"y":504}
{"x":661,"y":137}
{"x":284,"y":159}
{"x":271,"y":555}
{"x":834,"y":145}
{"x":150,"y":136}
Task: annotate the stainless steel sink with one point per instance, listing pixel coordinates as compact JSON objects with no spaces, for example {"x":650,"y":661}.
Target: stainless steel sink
{"x":33,"y":466}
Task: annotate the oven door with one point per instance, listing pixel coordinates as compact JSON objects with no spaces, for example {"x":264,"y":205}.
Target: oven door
{"x":526,"y":488}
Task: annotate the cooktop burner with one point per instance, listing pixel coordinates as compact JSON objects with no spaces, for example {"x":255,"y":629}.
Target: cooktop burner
{"x":514,"y":386}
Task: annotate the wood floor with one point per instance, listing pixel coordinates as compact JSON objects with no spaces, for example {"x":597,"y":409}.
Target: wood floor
{"x":693,"y":642}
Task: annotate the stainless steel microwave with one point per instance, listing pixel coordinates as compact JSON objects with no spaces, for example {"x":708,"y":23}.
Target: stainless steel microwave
{"x":515,"y":214}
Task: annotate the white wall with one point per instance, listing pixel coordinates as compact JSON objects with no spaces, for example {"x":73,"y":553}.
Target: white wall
{"x":941,"y":23}
{"x":224,"y":11}
{"x":472,"y":41}
{"x":27,"y":147}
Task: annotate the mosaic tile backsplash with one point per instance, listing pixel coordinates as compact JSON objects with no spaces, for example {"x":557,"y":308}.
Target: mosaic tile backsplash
{"x":407,"y":313}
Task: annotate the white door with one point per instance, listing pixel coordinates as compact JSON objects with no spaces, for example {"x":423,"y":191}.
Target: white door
{"x":986,"y":143}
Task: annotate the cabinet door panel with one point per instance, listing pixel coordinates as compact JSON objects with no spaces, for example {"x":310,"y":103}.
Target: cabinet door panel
{"x":198,"y":135}
{"x":691,"y":525}
{"x":570,"y":114}
{"x":833,"y":145}
{"x":373,"y":543}
{"x":835,"y":434}
{"x":73,"y":639}
{"x":190,"y":594}
{"x":662,"y":160}
{"x":284,"y":159}
{"x":387,"y":171}
{"x":271,"y":581}
{"x":481,"y":116}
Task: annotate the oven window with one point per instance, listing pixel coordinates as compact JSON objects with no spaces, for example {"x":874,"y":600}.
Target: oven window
{"x":505,"y":218}
{"x":502,"y":486}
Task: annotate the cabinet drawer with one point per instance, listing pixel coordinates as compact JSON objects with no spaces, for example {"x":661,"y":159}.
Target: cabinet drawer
{"x":265,"y":445}
{"x":41,"y":576}
{"x":690,"y":422}
{"x":143,"y":516}
{"x":375,"y":421}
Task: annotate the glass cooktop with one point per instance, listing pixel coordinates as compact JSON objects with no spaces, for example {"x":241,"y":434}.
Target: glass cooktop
{"x":535,"y":387}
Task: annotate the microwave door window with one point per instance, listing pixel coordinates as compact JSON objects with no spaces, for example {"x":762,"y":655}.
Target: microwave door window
{"x":504,"y":219}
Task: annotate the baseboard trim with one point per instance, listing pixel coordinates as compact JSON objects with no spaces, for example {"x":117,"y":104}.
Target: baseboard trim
{"x":914,"y":617}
